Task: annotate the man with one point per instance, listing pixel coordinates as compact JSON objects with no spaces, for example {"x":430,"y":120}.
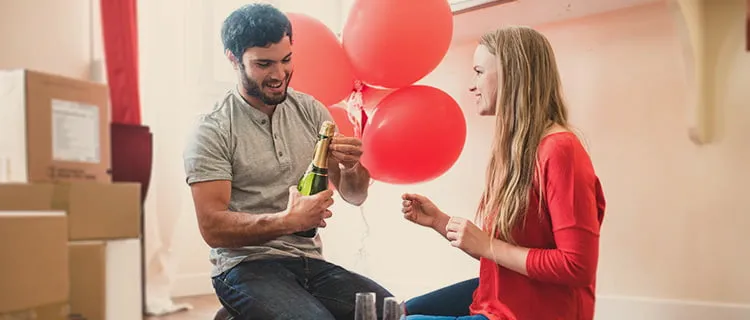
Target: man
{"x":242,"y":164}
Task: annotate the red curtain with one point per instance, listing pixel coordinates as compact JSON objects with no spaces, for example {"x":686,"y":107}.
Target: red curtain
{"x":120,"y":31}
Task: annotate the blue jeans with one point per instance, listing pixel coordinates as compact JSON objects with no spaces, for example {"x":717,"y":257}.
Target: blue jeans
{"x":451,"y":302}
{"x":293,"y":288}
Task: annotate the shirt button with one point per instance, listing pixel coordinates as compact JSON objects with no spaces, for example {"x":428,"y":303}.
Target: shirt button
{"x":263,"y":121}
{"x":280,"y":154}
{"x":275,"y":136}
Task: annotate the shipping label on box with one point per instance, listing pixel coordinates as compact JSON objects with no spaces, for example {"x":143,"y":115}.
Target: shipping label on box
{"x":75,"y":132}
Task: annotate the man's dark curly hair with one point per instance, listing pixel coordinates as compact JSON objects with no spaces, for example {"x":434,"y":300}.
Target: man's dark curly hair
{"x":254,"y":25}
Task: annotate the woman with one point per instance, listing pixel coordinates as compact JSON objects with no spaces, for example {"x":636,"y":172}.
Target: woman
{"x":542,"y":199}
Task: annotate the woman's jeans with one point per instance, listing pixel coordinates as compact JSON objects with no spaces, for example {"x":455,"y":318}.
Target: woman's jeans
{"x":451,"y":302}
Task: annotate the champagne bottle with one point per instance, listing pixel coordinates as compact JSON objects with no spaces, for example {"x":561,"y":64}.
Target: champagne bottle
{"x":315,"y":178}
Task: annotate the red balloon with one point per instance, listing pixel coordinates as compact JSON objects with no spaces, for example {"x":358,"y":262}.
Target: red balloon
{"x":415,"y":135}
{"x":321,"y":67}
{"x":341,"y":118}
{"x":394,"y":43}
{"x":371,"y":97}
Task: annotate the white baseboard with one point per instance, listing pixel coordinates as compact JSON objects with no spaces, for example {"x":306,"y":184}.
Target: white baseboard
{"x":193,"y":284}
{"x":630,"y":308}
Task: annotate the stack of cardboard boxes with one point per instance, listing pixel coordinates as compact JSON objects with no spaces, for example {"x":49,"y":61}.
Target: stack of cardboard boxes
{"x":70,"y":238}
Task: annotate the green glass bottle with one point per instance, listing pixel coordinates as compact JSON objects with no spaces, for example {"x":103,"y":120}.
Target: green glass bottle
{"x":315,"y":178}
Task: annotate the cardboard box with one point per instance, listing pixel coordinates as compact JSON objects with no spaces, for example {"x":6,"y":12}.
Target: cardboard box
{"x":26,"y":197}
{"x":95,"y":211}
{"x":34,"y":272}
{"x":55,"y":311}
{"x":100,"y":211}
{"x":105,"y":280}
{"x":53,"y":128}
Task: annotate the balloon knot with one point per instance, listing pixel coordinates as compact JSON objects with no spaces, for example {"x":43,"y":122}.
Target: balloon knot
{"x":358,"y":86}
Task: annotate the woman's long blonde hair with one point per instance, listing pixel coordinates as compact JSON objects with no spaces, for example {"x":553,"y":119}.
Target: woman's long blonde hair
{"x":528,"y":102}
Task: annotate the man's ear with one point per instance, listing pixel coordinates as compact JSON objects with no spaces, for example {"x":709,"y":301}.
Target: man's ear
{"x":232,"y":59}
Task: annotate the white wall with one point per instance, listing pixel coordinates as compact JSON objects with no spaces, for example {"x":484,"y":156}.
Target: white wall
{"x":48,"y":36}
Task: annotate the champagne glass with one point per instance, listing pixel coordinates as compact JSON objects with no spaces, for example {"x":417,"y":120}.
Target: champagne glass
{"x":391,"y":309}
{"x":365,"y":306}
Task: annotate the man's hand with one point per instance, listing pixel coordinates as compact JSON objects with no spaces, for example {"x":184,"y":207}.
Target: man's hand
{"x":307,"y":212}
{"x":345,"y":150}
{"x":465,"y":235}
{"x":349,"y":176}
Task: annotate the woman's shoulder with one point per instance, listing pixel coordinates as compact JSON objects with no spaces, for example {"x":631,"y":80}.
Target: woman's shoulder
{"x":562,"y":148}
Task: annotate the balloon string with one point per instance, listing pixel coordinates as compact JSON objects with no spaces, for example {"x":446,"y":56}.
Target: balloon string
{"x":362,"y":252}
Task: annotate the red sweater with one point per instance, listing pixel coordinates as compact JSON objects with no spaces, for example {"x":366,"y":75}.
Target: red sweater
{"x":563,"y":242}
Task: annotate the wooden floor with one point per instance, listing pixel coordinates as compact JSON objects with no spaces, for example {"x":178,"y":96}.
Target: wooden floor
{"x":204,"y":308}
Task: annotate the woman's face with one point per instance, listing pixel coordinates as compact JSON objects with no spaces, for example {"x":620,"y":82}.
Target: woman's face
{"x":485,"y":84}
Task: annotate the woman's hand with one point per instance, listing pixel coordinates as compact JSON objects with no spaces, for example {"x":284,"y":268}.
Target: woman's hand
{"x":465,"y":235}
{"x":420,"y":210}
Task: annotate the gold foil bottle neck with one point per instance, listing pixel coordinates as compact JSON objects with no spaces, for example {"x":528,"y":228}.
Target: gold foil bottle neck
{"x":320,"y":157}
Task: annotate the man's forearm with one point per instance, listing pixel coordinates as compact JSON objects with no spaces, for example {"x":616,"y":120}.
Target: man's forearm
{"x":229,"y":229}
{"x":354,"y":184}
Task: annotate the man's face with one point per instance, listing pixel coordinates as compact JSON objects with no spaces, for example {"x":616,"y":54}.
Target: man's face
{"x":267,"y":71}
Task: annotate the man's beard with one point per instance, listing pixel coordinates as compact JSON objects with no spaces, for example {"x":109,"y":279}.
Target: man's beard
{"x":254,"y":89}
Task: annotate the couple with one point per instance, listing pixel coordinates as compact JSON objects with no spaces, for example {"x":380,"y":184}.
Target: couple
{"x":542,"y":200}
